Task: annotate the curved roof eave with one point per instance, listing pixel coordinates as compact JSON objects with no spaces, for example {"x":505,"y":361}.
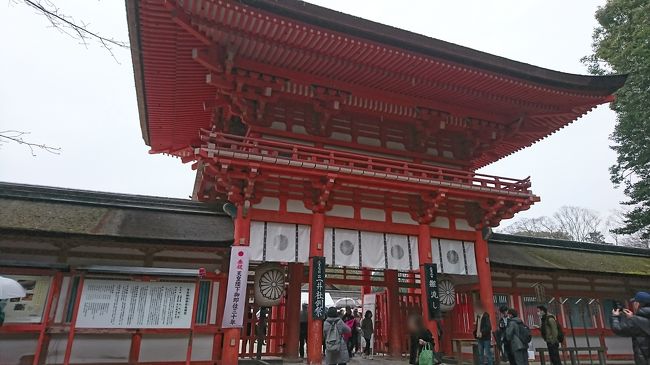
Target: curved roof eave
{"x":413,"y":42}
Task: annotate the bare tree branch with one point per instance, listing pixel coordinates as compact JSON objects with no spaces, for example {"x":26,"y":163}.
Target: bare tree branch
{"x":17,"y":137}
{"x":67,"y":25}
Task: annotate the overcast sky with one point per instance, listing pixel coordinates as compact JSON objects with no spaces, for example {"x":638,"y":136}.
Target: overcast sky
{"x":82,"y":100}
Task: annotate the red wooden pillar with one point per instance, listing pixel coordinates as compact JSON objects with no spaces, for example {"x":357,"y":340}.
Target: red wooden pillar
{"x":134,"y":351}
{"x":293,"y":308}
{"x":315,"y":332}
{"x":425,"y":257}
{"x":484,"y":275}
{"x":394,"y":318}
{"x":232,"y":336}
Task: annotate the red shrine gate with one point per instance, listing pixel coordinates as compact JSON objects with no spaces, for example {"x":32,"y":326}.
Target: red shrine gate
{"x":346,"y":139}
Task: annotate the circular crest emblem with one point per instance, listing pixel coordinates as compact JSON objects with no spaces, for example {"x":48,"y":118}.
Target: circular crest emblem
{"x":347,"y":248}
{"x":280,"y":242}
{"x":452,"y":256}
{"x":397,"y":252}
{"x":447,"y":294}
{"x":269,"y":284}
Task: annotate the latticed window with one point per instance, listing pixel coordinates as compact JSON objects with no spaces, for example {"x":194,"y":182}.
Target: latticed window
{"x":529,"y":311}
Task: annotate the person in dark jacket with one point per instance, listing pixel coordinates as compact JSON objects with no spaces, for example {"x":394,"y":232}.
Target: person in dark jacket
{"x":550,"y":333}
{"x":483,"y":333}
{"x":635,"y":325}
{"x":367,"y":328}
{"x":304,"y":313}
{"x":420,"y":336}
{"x":518,"y":348}
{"x":504,"y":346}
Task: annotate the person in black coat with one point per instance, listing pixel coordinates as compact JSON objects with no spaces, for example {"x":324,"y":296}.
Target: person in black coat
{"x":483,"y":333}
{"x":635,"y":325}
{"x":420,"y":336}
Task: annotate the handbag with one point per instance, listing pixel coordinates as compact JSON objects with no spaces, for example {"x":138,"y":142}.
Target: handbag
{"x":426,"y":355}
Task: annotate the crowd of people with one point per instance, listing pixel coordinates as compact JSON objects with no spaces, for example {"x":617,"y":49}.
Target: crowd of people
{"x":345,"y":332}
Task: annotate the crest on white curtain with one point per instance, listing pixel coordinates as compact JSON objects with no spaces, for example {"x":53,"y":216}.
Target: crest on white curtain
{"x":399,"y":252}
{"x":342,"y":247}
{"x":454,"y":257}
{"x":279,"y":242}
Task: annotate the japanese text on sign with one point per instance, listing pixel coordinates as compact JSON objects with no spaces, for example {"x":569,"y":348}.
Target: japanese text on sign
{"x":431,"y":281}
{"x":135,"y":304}
{"x":318,"y":295}
{"x":237,"y":281}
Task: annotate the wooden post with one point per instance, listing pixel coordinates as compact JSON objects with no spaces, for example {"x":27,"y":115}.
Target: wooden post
{"x":293,"y":308}
{"x":394,"y":317}
{"x":425,"y":257}
{"x":484,"y":275}
{"x":232,"y":336}
{"x":315,"y":331}
{"x":134,"y":351}
{"x":366,"y":288}
{"x":73,"y":322}
{"x":48,"y":317}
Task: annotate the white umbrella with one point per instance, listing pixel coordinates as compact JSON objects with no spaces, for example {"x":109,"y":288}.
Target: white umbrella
{"x":343,"y":302}
{"x":10,"y":288}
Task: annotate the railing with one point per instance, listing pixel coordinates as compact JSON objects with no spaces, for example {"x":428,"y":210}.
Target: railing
{"x":573,"y":354}
{"x":288,"y":154}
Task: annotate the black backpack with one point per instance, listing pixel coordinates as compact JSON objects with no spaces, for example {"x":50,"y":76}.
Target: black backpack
{"x":523,"y":332}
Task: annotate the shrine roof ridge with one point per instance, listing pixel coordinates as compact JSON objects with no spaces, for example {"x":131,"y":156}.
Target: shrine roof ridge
{"x":604,"y":248}
{"x":432,"y":47}
{"x":98,"y":198}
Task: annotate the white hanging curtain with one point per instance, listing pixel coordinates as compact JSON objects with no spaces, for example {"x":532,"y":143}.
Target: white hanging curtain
{"x":373,"y":251}
{"x":436,"y":254}
{"x":452,"y":257}
{"x":398,"y":249}
{"x":470,"y":258}
{"x":279,"y":242}
{"x":304,"y":241}
{"x":257,"y":241}
{"x":345,"y":249}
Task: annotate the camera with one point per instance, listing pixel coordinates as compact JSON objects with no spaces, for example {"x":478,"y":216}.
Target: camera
{"x":618,"y":305}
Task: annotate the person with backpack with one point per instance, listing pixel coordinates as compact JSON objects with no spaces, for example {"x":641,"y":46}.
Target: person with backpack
{"x":483,"y":333}
{"x":551,"y":333}
{"x":518,"y":337}
{"x":636,"y":325}
{"x":336,"y":350}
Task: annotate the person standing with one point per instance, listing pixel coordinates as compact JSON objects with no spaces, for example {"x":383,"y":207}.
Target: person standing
{"x":636,"y":325}
{"x":551,"y":334}
{"x":504,"y":346}
{"x":336,"y":350}
{"x":419,"y":336}
{"x":367,"y":328}
{"x":483,"y":333}
{"x":518,"y":348}
{"x":303,"y":329}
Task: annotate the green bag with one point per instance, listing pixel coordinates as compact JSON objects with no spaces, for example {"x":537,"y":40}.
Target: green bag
{"x":426,"y":355}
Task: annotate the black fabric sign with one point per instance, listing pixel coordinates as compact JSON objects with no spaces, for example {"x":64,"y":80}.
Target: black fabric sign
{"x":318,"y":288}
{"x":431,"y":283}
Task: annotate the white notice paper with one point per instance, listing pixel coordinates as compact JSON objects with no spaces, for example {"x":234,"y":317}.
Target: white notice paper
{"x":135,"y":304}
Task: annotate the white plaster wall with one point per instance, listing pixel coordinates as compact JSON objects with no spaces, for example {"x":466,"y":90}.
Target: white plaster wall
{"x":13,"y":347}
{"x":373,"y":214}
{"x":163,"y":348}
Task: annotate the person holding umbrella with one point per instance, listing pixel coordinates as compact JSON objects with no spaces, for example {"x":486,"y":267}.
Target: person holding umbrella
{"x":9,"y":289}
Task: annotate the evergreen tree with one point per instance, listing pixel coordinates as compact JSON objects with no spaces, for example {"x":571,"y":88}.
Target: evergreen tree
{"x":621,"y":45}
